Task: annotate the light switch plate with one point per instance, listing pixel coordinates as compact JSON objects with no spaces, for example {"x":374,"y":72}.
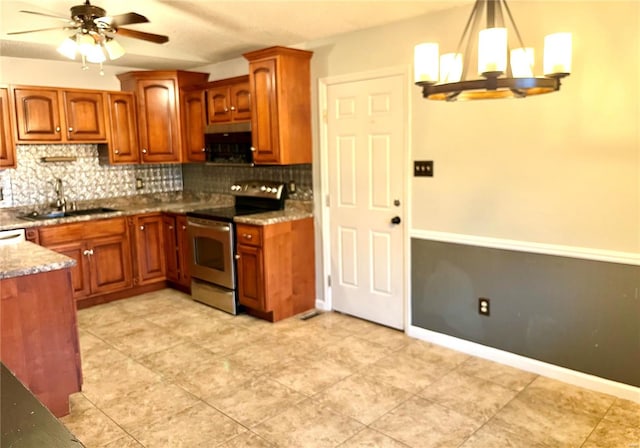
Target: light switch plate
{"x":423,"y":168}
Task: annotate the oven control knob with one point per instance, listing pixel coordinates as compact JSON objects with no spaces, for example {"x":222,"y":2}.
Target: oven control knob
{"x":263,"y":188}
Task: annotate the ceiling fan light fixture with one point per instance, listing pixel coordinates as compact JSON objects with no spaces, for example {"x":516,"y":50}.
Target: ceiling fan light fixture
{"x":68,"y":48}
{"x":501,"y":73}
{"x":113,"y":48}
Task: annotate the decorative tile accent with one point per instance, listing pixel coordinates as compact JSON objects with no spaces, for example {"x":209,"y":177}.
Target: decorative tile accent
{"x":31,"y":183}
{"x":218,"y":179}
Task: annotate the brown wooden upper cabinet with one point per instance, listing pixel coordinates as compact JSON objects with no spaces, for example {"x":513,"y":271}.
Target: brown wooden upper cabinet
{"x":228,"y":100}
{"x":193,"y":117}
{"x":60,"y":115}
{"x":159,"y":111}
{"x":7,"y":146}
{"x":123,"y":129}
{"x":280,"y":87}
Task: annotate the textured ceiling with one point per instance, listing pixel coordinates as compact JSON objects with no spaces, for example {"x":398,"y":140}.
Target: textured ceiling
{"x":205,"y":32}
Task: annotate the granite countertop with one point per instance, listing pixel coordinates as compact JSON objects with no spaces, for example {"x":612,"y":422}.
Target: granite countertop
{"x":176,"y":202}
{"x":25,"y":258}
{"x":261,"y":219}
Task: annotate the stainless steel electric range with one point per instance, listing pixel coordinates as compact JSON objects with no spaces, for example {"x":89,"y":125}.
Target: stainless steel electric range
{"x":213,"y":242}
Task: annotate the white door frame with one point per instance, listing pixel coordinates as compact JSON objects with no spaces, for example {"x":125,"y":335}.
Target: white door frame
{"x":321,"y":198}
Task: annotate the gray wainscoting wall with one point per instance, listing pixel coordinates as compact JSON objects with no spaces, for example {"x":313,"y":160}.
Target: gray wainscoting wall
{"x":575,"y":313}
{"x":31,"y":183}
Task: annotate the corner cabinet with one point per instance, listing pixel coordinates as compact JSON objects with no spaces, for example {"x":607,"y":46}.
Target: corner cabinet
{"x":150,"y":249}
{"x":276,"y":268}
{"x":7,"y":146}
{"x":280,"y":86}
{"x":159,"y":111}
{"x":177,"y":251}
{"x":59,"y":115}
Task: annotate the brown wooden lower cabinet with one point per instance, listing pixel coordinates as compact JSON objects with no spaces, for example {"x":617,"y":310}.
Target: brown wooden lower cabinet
{"x":39,"y":336}
{"x":149,"y":243}
{"x":102,"y":251}
{"x":177,"y":250}
{"x":276,"y":268}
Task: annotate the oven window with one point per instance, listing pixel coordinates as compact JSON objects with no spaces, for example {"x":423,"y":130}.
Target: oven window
{"x":209,"y":253}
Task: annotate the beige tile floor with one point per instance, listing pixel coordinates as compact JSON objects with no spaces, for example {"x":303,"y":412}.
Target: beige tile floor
{"x":163,"y":371}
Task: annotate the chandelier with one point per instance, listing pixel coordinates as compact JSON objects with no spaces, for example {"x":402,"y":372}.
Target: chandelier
{"x":92,"y":45}
{"x":500,"y":74}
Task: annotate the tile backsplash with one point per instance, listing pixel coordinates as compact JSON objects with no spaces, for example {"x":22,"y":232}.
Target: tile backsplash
{"x":32,"y":182}
{"x":218,"y":179}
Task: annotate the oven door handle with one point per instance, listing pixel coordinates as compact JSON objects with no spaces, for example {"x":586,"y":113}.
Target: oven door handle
{"x":218,"y":227}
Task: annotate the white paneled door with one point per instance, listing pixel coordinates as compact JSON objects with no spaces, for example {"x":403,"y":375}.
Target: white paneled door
{"x":366,"y":143}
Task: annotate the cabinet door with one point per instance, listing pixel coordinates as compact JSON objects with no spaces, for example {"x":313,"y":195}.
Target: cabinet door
{"x":150,"y":248}
{"x":184,"y":251}
{"x":159,"y":126}
{"x":264,"y":120}
{"x":251,"y":277}
{"x":193,"y":105}
{"x":38,"y":115}
{"x":7,"y":146}
{"x":218,"y":105}
{"x":123,"y":139}
{"x":171,"y":247}
{"x":80,"y":272}
{"x":110,"y":264}
{"x":84,"y":113}
{"x":241,"y":101}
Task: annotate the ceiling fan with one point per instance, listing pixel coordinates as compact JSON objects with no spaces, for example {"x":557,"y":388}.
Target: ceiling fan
{"x":94,"y":21}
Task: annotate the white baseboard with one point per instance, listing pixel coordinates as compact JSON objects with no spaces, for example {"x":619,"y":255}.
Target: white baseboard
{"x":563,"y":374}
{"x":322,"y":305}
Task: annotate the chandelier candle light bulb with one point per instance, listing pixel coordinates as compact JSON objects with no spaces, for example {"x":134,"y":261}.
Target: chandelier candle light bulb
{"x":445,"y":78}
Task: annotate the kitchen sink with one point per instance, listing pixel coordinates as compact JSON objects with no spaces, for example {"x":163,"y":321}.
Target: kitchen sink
{"x":53,"y":214}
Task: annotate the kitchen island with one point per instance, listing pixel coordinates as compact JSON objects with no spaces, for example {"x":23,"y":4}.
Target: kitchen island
{"x":38,"y":327}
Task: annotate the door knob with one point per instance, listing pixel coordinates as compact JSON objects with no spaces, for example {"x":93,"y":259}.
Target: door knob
{"x":396,"y":220}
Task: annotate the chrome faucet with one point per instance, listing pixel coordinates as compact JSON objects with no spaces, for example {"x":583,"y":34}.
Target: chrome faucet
{"x":61,"y":202}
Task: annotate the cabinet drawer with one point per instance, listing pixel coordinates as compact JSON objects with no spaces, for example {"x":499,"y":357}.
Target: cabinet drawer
{"x":79,"y":231}
{"x":250,"y":235}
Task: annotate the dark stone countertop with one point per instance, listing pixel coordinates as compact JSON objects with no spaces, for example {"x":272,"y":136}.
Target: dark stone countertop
{"x":25,"y":422}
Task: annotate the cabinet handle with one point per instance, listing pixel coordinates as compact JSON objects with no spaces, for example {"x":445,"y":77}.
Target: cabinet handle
{"x":88,"y":252}
{"x":141,"y":227}
{"x":233,"y":108}
{"x":237,"y":257}
{"x":247,"y":236}
{"x":70,"y":129}
{"x":117,"y":151}
{"x":170,"y":227}
{"x":226,"y":109}
{"x":204,"y":150}
{"x":184,"y":227}
{"x":253,"y":149}
{"x":144,"y":150}
{"x":57,"y":128}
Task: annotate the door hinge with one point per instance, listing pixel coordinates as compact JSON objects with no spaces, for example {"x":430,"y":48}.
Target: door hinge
{"x":324,"y":115}
{"x":328,"y":280}
{"x":328,"y":201}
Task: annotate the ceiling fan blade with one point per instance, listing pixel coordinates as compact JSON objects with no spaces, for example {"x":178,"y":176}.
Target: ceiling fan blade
{"x":42,"y":29}
{"x":66,"y":19}
{"x":155,"y":38}
{"x":129,"y":18}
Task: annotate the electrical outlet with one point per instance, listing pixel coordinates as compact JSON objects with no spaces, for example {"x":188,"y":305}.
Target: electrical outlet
{"x":423,"y":168}
{"x":139,"y":183}
{"x":484,"y":306}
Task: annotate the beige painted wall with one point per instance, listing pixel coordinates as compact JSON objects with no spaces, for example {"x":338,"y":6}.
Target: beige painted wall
{"x":559,"y":169}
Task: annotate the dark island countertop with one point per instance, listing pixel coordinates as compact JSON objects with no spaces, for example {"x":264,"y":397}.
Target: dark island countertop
{"x":25,"y":422}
